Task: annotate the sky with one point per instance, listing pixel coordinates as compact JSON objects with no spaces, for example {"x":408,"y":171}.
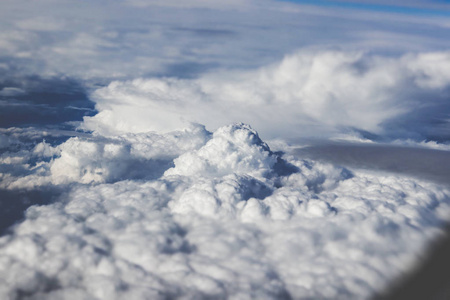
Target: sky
{"x":430,"y":8}
{"x":220,"y":149}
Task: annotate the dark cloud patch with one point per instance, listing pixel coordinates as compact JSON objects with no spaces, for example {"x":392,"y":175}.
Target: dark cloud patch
{"x":207,"y":32}
{"x":43,"y":102}
{"x":429,"y":164}
{"x":26,"y":138}
{"x":429,"y":120}
{"x":13,"y":203}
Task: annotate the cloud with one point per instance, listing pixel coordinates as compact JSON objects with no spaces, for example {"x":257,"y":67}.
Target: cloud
{"x":309,"y":93}
{"x":11,"y":91}
{"x":431,"y":69}
{"x":421,"y":160}
{"x":221,"y":156}
{"x":141,"y":38}
{"x":95,"y":159}
{"x":26,"y":136}
{"x":238,"y":227}
{"x":4,"y":141}
{"x":36,"y":101}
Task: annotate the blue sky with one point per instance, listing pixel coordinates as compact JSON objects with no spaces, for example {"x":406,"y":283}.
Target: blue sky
{"x":427,"y":8}
{"x":412,"y":7}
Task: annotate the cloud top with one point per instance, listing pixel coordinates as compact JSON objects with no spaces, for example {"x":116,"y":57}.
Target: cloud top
{"x":309,"y":93}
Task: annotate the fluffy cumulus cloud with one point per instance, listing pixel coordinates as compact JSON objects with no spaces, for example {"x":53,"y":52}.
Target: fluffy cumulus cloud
{"x":309,"y":93}
{"x":98,"y":159}
{"x":193,"y":214}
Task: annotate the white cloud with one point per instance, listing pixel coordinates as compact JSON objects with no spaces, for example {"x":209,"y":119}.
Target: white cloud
{"x":96,"y":159}
{"x":137,"y":38}
{"x":247,"y":224}
{"x":424,"y":144}
{"x":309,"y":93}
{"x":232,"y":149}
{"x":431,"y":69}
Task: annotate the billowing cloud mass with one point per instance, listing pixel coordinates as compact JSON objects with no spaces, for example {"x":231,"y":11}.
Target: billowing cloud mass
{"x":192,"y":214}
{"x":309,"y":93}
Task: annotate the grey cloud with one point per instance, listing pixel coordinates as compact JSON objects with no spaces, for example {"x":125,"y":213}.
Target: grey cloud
{"x":14,"y":203}
{"x":42,"y":102}
{"x":212,"y":33}
{"x":11,"y":91}
{"x":422,"y":163}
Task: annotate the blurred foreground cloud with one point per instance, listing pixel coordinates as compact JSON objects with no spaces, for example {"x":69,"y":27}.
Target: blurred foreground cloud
{"x":194,"y":214}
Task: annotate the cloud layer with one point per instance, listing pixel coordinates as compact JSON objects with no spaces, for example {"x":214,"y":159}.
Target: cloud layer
{"x":309,"y":93}
{"x":126,"y":39}
{"x":225,"y":218}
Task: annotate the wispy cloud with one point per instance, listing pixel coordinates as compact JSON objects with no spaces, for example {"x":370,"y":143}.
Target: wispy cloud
{"x":131,"y":38}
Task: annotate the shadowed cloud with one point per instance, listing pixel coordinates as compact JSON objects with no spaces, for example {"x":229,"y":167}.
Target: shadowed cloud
{"x":430,"y":164}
